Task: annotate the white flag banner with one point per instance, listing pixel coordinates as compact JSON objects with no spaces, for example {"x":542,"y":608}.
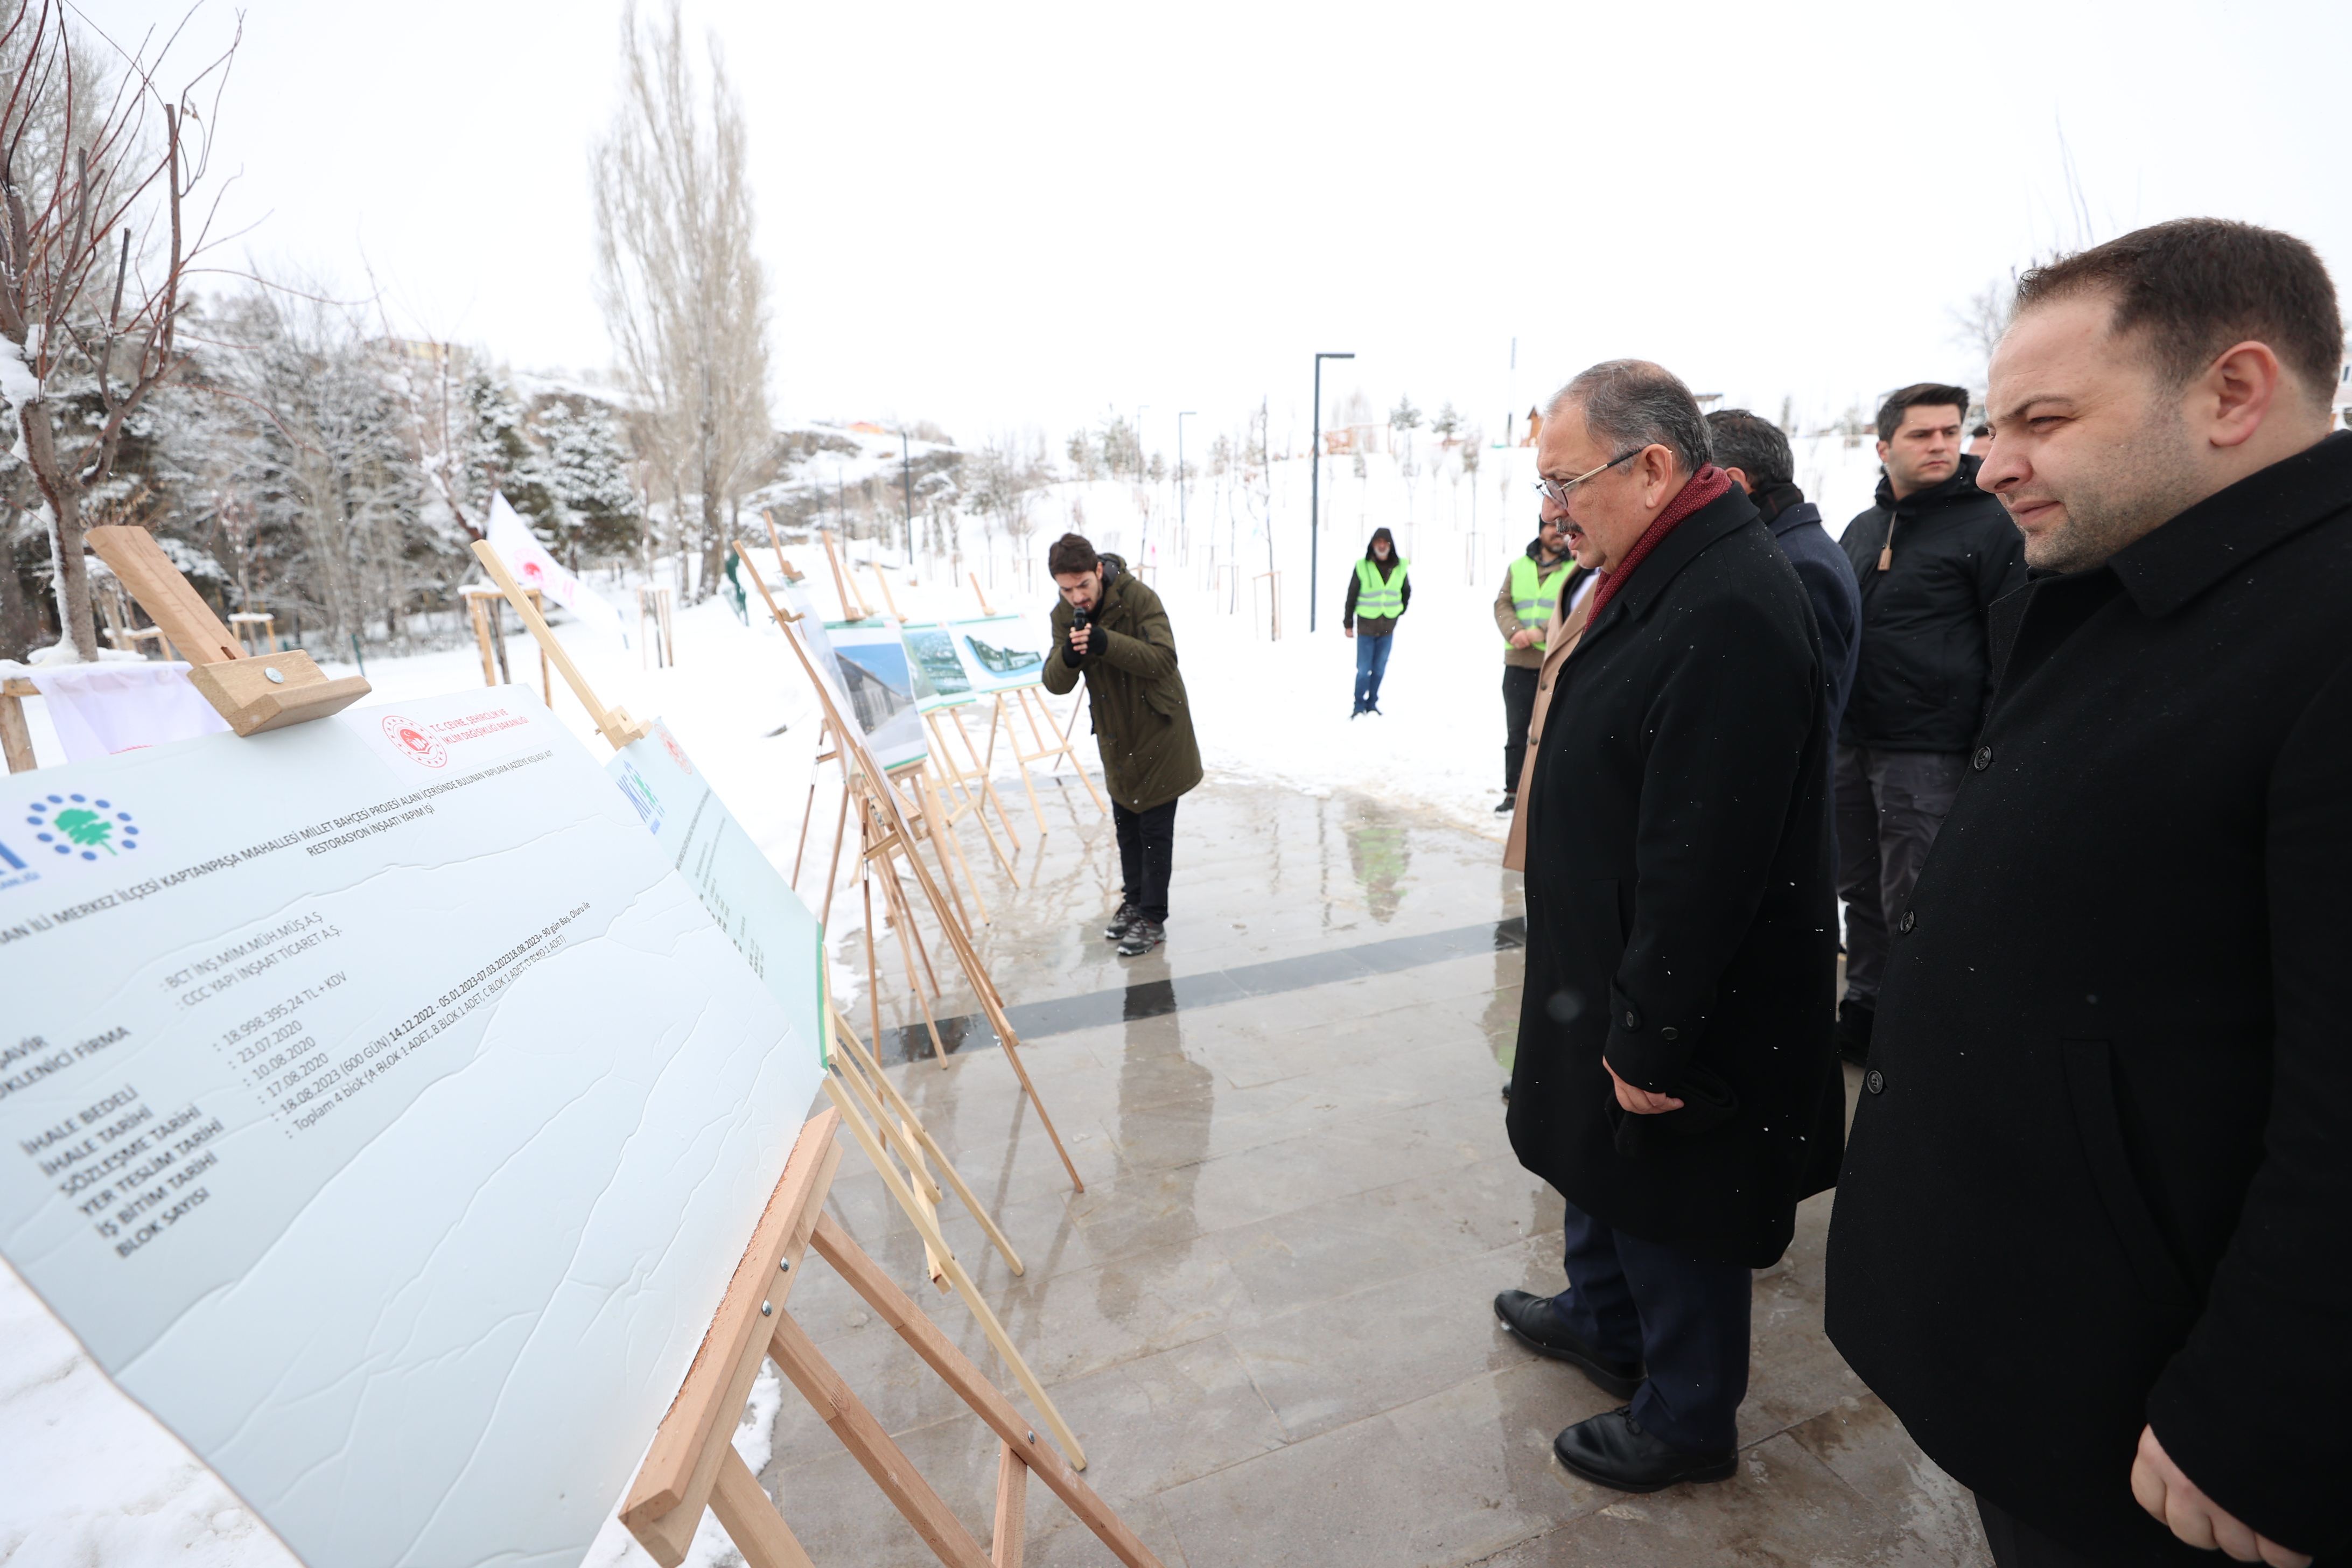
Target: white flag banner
{"x":119,"y":706}
{"x":534,"y":568}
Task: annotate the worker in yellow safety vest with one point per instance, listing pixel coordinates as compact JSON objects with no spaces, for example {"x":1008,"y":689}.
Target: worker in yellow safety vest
{"x":1532,"y":590}
{"x":1376,"y":594}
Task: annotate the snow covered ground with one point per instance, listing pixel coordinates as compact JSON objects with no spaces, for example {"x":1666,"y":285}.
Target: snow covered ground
{"x":93,"y":1479}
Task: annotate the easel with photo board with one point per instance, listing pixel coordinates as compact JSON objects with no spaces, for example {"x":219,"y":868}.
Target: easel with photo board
{"x":867,"y":1093}
{"x":880,"y":807}
{"x":1031,"y":703}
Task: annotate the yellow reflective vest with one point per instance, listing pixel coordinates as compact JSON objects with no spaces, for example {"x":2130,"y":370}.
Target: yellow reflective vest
{"x":1535,"y":591}
{"x":1377,"y":599}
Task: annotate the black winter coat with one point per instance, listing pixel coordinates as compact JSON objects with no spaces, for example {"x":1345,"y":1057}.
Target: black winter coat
{"x":1925,"y":672}
{"x":1822,"y":568}
{"x":1143,"y":715}
{"x":2108,"y":1178}
{"x":1680,"y":921}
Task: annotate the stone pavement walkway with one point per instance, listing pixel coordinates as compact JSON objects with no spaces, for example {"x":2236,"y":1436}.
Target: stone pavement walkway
{"x":1268,"y":1317}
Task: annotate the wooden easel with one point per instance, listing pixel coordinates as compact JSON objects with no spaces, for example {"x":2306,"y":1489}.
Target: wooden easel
{"x":881,"y":804}
{"x":1051,"y":740}
{"x":482,"y":603}
{"x":15,"y":735}
{"x":253,"y":692}
{"x":614,"y":724}
{"x":693,"y":1464}
{"x":1061,"y":746}
{"x":972,"y":783}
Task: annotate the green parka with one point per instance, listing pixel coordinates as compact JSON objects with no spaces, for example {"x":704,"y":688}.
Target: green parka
{"x":1143,"y":720}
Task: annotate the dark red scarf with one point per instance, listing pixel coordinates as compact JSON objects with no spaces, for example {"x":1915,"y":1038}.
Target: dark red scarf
{"x":1705,"y":485}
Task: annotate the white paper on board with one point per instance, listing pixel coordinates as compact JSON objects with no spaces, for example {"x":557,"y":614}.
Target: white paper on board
{"x":385,"y":1113}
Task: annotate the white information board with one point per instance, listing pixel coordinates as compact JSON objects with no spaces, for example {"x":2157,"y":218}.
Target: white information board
{"x":752,"y":903}
{"x":383,"y":1110}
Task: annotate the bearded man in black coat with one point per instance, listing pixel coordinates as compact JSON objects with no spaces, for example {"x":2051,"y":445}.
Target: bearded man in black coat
{"x":1676,"y":1079}
{"x":2094,"y":1245}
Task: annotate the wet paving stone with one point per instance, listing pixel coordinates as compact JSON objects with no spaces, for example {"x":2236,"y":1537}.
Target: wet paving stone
{"x":1268,"y":1316}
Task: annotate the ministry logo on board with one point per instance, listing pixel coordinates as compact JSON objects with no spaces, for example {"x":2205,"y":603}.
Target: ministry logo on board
{"x":75,"y":827}
{"x":413,"y":742}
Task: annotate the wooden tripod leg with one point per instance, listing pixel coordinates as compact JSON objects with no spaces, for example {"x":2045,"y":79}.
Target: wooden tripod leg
{"x":809,"y":810}
{"x":998,"y":1339}
{"x":872,"y":968}
{"x":892,"y":887}
{"x":1070,"y":750}
{"x":989,"y":781}
{"x":872,"y":1068}
{"x":871,"y":1447}
{"x":955,"y":1369}
{"x":943,"y":839}
{"x":1022,"y":761}
{"x":1012,"y":1507}
{"x":752,"y":1523}
{"x":927,"y":1190}
{"x":833,"y":870}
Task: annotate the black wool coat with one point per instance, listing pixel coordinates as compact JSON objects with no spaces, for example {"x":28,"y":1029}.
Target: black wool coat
{"x":2106,"y":1179}
{"x":1680,"y":922}
{"x":1925,"y":669}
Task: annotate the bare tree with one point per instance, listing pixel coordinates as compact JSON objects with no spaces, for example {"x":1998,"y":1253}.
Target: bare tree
{"x":94,"y":251}
{"x":684,"y":295}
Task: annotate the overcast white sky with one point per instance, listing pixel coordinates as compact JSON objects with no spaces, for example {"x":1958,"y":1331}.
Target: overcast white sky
{"x":1028,"y":213}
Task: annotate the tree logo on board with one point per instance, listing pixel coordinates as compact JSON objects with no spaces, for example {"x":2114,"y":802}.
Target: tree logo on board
{"x":78,"y":825}
{"x":412,"y":742}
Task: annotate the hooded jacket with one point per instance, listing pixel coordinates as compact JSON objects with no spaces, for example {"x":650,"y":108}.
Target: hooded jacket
{"x":1142,"y":717}
{"x":1925,"y":672}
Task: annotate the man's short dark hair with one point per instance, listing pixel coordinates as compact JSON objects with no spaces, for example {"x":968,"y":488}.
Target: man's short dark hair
{"x":1071,"y":552}
{"x":1918,"y":395}
{"x":1753,"y":445}
{"x":1632,"y":403}
{"x":2199,"y":285}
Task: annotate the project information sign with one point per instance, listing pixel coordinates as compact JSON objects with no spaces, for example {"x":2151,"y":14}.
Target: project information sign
{"x":384,"y":1112}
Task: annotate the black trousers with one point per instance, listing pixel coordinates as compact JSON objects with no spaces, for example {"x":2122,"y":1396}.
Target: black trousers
{"x":2017,"y":1544}
{"x":1147,"y":844}
{"x":1519,"y":708}
{"x":1684,"y":1318}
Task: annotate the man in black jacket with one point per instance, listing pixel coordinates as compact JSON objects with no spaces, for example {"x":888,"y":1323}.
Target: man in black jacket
{"x":2093,"y":1241}
{"x":1931,"y":557}
{"x":1675,"y":1079}
{"x":1756,"y":455}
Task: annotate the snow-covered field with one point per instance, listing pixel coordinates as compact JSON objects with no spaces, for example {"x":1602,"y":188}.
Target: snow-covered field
{"x":93,"y":1479}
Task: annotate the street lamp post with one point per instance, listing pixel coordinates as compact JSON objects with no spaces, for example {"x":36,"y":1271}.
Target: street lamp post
{"x":1315,"y":492}
{"x":906,"y":489}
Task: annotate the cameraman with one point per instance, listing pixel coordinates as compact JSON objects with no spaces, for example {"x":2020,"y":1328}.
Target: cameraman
{"x":1113,"y":630}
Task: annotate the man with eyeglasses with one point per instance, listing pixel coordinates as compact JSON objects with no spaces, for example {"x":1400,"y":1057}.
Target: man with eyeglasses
{"x":1674,"y":1077}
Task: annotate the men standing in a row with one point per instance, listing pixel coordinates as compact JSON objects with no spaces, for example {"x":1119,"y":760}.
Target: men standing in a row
{"x":1755,"y":453}
{"x":1523,"y":609}
{"x":1675,"y":1079}
{"x":1931,"y":557}
{"x":2094,"y":1240}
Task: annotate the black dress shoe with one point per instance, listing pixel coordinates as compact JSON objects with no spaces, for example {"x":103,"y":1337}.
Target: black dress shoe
{"x":1534,"y":1324}
{"x":1612,"y":1451}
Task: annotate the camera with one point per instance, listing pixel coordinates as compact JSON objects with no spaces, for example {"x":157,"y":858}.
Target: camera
{"x":1079,"y":620}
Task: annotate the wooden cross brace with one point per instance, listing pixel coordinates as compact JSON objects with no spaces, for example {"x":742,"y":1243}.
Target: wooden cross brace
{"x":693,"y":1463}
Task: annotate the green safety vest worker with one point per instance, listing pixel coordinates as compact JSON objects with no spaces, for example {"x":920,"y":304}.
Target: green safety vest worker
{"x":1376,"y":599}
{"x":1535,"y":593}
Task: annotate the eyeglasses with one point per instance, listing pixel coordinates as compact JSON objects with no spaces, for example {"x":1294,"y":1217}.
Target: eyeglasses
{"x":1556,"y":490}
